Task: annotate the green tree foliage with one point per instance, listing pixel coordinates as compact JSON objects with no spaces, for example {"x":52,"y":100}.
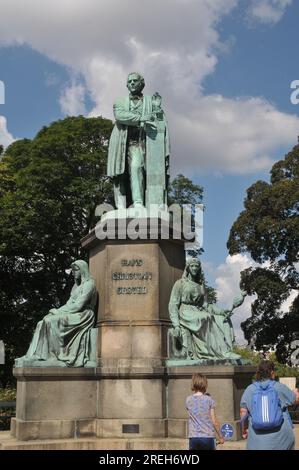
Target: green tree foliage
{"x":8,"y":394}
{"x":247,"y":353}
{"x":268,"y":229}
{"x":183,"y":191}
{"x":49,"y":188}
{"x":281,"y":370}
{"x":187,"y":195}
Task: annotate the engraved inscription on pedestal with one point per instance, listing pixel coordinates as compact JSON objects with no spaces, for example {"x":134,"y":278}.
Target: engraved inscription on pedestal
{"x":141,"y":276}
{"x":133,"y":282}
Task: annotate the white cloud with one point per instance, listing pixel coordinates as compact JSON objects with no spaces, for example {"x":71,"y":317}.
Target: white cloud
{"x":5,"y":137}
{"x":268,"y":11}
{"x":227,"y":284}
{"x":230,"y":136}
{"x":285,"y":306}
{"x":72,"y":99}
{"x":175,"y":44}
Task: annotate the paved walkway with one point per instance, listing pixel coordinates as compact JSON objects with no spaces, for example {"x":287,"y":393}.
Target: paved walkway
{"x":9,"y":443}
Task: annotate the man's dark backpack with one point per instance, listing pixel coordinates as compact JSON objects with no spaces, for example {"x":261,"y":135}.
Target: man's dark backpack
{"x":266,"y":412}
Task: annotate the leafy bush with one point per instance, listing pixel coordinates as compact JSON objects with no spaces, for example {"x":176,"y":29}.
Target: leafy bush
{"x":281,"y":370}
{"x":8,"y":394}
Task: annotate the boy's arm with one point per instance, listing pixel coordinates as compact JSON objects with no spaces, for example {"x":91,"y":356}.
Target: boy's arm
{"x":216,"y":425}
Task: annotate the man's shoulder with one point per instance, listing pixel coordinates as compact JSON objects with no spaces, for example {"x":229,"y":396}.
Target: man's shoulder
{"x":283,"y":388}
{"x":250,"y":388}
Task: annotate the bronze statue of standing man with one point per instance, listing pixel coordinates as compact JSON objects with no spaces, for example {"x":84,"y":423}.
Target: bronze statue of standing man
{"x":138,"y":146}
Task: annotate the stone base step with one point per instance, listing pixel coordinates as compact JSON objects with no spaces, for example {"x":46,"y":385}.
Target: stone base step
{"x":9,"y":443}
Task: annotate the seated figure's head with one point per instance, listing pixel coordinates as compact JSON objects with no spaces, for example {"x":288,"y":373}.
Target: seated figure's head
{"x":193,"y":269}
{"x":135,"y":83}
{"x":76,"y":272}
{"x":80,"y":271}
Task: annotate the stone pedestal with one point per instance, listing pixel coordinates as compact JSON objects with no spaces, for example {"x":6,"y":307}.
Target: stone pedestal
{"x":131,"y":393}
{"x":134,"y":279}
{"x":56,"y":403}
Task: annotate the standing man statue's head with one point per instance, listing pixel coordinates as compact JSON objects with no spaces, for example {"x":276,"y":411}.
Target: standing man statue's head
{"x":135,"y":83}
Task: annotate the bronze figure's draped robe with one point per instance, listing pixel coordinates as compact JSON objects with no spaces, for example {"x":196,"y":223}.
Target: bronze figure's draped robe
{"x":63,"y":337}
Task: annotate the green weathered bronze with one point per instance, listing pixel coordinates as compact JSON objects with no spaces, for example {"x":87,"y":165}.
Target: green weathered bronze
{"x":138,"y":156}
{"x":201,"y":331}
{"x":63,"y":337}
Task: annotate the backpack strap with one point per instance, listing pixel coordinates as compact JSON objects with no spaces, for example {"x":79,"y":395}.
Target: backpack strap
{"x":257,"y":386}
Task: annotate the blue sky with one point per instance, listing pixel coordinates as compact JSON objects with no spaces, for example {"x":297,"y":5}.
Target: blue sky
{"x":261,"y":63}
{"x":223,"y":67}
